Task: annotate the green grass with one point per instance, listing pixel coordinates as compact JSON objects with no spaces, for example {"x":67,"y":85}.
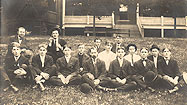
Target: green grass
{"x":73,"y":96}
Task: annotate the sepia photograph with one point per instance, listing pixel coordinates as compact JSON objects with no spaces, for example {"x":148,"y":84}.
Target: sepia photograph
{"x":93,"y":52}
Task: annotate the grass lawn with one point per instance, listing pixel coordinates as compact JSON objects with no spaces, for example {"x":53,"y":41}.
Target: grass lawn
{"x":73,"y":96}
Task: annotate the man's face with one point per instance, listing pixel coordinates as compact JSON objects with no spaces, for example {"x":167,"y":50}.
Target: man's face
{"x":144,"y":53}
{"x":132,"y":49}
{"x":119,"y":40}
{"x":16,"y":51}
{"x":93,"y":53}
{"x":155,"y":52}
{"x":120,"y":53}
{"x":167,"y":53}
{"x":98,"y":43}
{"x":108,"y":46}
{"x":67,"y":51}
{"x":42,"y":51}
{"x":55,"y":34}
{"x":21,"y":32}
{"x":81,"y":49}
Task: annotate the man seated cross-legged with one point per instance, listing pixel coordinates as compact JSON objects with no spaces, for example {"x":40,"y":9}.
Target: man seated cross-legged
{"x":169,"y":71}
{"x":119,"y":75}
{"x":67,"y":70}
{"x":16,"y":70}
{"x":42,"y":66}
{"x":93,"y":72}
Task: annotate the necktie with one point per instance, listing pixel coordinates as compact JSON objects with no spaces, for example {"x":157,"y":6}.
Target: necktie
{"x":95,"y":67}
{"x":144,"y":62}
{"x":132,"y":61}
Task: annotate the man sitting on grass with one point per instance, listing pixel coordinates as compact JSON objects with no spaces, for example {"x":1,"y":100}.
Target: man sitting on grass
{"x":16,"y":67}
{"x":24,"y":46}
{"x":169,"y":71}
{"x":145,"y":70}
{"x":82,"y":56}
{"x":94,"y":72}
{"x":42,"y":66}
{"x":119,"y":75}
{"x":56,"y":45}
{"x":67,"y":70}
{"x":155,"y":54}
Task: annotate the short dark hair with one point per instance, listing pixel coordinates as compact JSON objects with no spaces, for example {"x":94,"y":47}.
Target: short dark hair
{"x":92,"y":48}
{"x":165,"y":49}
{"x":144,"y":48}
{"x":20,"y":27}
{"x":129,"y":45}
{"x":120,"y":48}
{"x":56,"y":29}
{"x":97,"y":39}
{"x":108,"y":42}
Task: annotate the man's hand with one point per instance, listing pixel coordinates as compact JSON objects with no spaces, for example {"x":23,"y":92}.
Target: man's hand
{"x":59,"y":46}
{"x":118,"y":79}
{"x":91,"y":76}
{"x":38,"y":78}
{"x":96,"y":81}
{"x":20,"y":72}
{"x":170,"y":79}
{"x":50,"y":41}
{"x":68,"y":78}
{"x":81,"y":69}
{"x":63,"y":79}
{"x":123,"y":81}
{"x":45,"y":75}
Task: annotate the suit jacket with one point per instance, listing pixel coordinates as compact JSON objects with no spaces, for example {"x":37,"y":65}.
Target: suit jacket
{"x":151,"y":58}
{"x":23,"y":45}
{"x":85,"y":57}
{"x":171,"y":69}
{"x":141,"y":70}
{"x":98,"y":71}
{"x":116,"y":71}
{"x":65,"y":68}
{"x":51,"y":50}
{"x":114,"y":47}
{"x":11,"y":64}
{"x":37,"y":64}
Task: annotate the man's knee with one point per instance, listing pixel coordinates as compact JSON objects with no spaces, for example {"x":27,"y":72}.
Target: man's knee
{"x":85,"y":88}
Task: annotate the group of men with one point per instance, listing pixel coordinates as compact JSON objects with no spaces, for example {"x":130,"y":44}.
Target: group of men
{"x":112,"y":67}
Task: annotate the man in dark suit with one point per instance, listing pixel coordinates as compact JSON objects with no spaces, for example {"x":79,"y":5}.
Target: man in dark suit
{"x":94,"y":71}
{"x":169,"y":71}
{"x":42,"y":66}
{"x":97,"y":45}
{"x":16,"y":67}
{"x":81,"y":55}
{"x":20,"y":38}
{"x":56,"y":45}
{"x":155,"y":57}
{"x":145,"y":70}
{"x":118,"y":43}
{"x":67,"y":70}
{"x":119,"y":76}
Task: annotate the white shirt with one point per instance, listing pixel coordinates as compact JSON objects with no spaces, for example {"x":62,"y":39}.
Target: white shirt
{"x":135,"y":58}
{"x":155,"y":60}
{"x":16,"y":59}
{"x":19,"y":40}
{"x":107,"y":57}
{"x":42,"y":58}
{"x":67,"y":58}
{"x":167,"y":60}
{"x":120,"y":62}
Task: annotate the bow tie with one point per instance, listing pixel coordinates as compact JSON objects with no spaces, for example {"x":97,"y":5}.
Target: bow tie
{"x":144,"y":59}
